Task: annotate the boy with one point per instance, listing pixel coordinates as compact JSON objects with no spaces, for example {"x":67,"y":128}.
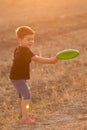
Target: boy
{"x":20,"y":70}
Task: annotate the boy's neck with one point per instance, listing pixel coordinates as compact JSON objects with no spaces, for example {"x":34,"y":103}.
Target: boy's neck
{"x":24,"y":46}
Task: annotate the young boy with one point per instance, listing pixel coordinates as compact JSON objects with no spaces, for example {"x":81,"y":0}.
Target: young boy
{"x":20,"y":70}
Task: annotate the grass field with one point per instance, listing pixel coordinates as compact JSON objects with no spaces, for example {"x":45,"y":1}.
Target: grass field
{"x":59,"y":92}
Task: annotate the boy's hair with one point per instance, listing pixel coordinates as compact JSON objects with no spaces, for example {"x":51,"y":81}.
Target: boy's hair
{"x":24,"y":30}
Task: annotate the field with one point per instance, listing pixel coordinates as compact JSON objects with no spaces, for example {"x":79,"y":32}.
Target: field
{"x":59,"y":92}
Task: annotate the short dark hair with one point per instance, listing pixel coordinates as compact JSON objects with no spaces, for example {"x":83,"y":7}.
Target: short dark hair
{"x":24,"y":30}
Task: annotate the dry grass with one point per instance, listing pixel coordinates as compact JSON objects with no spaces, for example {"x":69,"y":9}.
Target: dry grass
{"x":59,"y":92}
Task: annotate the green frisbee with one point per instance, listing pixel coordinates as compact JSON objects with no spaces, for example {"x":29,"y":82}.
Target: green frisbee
{"x":67,"y":54}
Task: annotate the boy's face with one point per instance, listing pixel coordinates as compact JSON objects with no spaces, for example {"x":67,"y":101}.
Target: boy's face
{"x":27,"y":41}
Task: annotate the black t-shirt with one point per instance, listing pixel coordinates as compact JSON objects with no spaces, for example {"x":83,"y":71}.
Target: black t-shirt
{"x":21,"y":63}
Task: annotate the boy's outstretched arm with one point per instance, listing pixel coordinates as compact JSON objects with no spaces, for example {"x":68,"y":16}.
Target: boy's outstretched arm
{"x":44,"y":60}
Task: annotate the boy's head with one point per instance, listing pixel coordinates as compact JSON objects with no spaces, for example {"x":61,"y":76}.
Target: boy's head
{"x":25,"y":36}
{"x":23,"y":31}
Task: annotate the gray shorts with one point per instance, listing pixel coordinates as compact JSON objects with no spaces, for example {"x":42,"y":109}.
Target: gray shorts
{"x":22,"y":88}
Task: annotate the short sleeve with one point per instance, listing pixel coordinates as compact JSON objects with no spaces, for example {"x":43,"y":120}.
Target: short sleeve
{"x":23,"y":54}
{"x":29,"y":54}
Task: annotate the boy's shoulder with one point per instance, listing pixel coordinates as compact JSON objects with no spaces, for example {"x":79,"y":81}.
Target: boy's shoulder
{"x":21,"y":48}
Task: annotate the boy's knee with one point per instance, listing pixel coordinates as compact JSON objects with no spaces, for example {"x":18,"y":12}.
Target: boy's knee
{"x":27,"y":96}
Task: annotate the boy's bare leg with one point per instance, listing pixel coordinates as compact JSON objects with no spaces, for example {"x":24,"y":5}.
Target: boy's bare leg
{"x":20,"y":107}
{"x":26,"y":115}
{"x":25,"y":108}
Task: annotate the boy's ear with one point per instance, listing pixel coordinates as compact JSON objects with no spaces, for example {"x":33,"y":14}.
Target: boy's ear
{"x":19,"y":40}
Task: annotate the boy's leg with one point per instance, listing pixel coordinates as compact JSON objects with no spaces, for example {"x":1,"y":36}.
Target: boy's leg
{"x":25,"y":108}
{"x":22,"y":88}
{"x":26,"y":116}
{"x":20,"y":107}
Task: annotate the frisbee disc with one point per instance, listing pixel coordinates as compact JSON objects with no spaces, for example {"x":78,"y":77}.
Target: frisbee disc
{"x":67,"y":54}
